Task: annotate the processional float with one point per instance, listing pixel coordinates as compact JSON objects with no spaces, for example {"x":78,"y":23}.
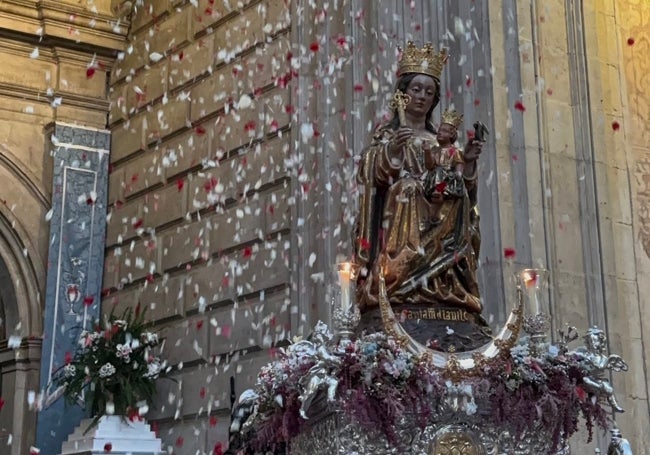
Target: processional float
{"x":412,"y":367}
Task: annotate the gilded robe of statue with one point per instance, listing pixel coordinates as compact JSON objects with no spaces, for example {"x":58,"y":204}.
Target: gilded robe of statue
{"x":427,"y":247}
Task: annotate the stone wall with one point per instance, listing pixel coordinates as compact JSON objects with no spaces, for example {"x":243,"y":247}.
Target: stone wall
{"x":579,"y":83}
{"x":199,"y":229}
{"x":624,"y":65}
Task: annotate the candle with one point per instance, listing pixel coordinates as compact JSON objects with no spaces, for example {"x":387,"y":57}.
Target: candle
{"x":345,"y":273}
{"x":530,"y":281}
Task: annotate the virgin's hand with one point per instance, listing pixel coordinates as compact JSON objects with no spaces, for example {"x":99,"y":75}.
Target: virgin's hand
{"x":472,"y":151}
{"x":399,"y":140}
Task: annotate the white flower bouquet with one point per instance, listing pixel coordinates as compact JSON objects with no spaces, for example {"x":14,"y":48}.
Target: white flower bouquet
{"x":114,"y":368}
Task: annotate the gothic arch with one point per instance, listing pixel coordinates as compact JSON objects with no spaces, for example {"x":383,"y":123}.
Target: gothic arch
{"x":22,"y":278}
{"x":22,"y":265}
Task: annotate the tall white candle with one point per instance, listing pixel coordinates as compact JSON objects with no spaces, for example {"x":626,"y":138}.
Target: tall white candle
{"x":345,"y":270}
{"x":530,"y":281}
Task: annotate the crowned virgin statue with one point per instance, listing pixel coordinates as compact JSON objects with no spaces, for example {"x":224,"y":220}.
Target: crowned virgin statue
{"x":418,"y":225}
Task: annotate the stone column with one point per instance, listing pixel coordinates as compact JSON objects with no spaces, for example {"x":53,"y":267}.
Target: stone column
{"x":75,"y":262}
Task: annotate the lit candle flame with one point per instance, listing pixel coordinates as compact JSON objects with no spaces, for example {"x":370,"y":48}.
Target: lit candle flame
{"x":530,"y":278}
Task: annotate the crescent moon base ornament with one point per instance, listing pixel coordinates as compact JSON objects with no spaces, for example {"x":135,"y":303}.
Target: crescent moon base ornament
{"x":452,"y":364}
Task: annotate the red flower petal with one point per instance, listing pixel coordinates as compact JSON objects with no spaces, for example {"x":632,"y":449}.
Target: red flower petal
{"x":213,"y":421}
{"x":509,"y":253}
{"x":248,"y":251}
{"x":364,"y":243}
{"x":630,"y":41}
{"x":520,"y":106}
{"x":199,"y":130}
{"x":179,"y":184}
{"x":88,"y":300}
{"x":68,"y":358}
{"x":226,"y":331}
{"x":616,"y":126}
{"x":2,"y":403}
{"x":202,"y":392}
{"x":440,"y":187}
{"x":179,"y":441}
{"x":90,"y":72}
{"x":358,"y":88}
{"x":108,"y":447}
{"x":155,"y":428}
{"x":210,"y":184}
{"x":218,"y":449}
{"x":133,"y":415}
{"x":314,"y":47}
{"x":249,"y":126}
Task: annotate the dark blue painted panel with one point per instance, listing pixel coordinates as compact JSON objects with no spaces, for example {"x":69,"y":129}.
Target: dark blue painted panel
{"x":75,"y":266}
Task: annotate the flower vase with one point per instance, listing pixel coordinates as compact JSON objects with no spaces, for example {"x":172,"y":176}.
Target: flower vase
{"x":112,"y":434}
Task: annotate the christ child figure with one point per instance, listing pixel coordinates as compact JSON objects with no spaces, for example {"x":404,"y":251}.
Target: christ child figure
{"x":446,"y":180}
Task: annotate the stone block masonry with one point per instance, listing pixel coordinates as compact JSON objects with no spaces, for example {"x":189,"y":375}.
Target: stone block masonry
{"x":199,"y":225}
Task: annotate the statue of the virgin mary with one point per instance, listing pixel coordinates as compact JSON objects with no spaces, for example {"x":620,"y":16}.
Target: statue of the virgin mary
{"x":417,"y":223}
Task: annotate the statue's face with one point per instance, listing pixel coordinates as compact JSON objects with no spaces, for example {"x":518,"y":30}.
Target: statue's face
{"x":422,"y":90}
{"x":446,"y":134}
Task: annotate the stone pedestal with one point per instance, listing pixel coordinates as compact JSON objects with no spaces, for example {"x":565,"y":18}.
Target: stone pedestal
{"x":115,"y":435}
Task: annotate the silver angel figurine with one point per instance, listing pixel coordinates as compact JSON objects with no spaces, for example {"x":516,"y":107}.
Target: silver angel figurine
{"x":323,"y":374}
{"x":599,"y":363}
{"x":319,"y":377}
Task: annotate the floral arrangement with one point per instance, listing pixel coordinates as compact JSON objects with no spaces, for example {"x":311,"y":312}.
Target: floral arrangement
{"x":379,"y":384}
{"x":114,"y":368}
